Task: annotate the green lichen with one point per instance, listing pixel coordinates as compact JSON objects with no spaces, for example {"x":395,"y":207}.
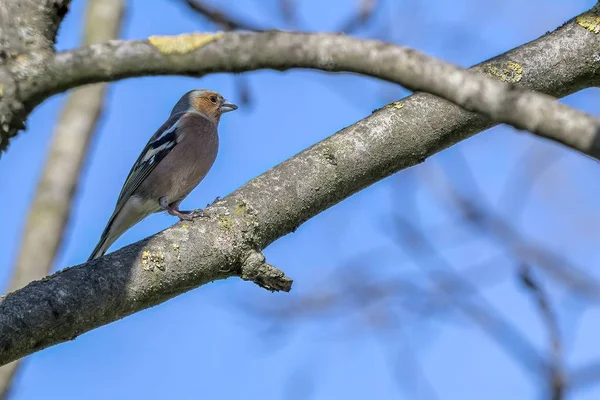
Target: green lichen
{"x":226,"y":222}
{"x":241,"y":208}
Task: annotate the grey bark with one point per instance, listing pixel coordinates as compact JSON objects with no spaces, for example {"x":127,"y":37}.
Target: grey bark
{"x":499,"y":99}
{"x":52,"y":203}
{"x":27,"y":32}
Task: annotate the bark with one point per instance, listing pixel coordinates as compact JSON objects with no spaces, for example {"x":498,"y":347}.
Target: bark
{"x":50,"y":210}
{"x":28,"y":31}
{"x":228,"y":242}
{"x":197,"y":54}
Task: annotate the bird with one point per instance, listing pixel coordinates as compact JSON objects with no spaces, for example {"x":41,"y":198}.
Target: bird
{"x":173,"y":162}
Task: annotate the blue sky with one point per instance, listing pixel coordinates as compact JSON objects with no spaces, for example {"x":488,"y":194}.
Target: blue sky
{"x":208,"y":343}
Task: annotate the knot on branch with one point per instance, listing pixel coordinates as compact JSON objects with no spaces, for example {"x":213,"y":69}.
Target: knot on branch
{"x":12,"y":111}
{"x":257,"y":270}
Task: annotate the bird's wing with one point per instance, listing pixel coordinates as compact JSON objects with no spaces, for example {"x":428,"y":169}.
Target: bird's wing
{"x":159,"y":145}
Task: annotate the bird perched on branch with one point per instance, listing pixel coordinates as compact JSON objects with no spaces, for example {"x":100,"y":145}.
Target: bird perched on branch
{"x":174,"y":161}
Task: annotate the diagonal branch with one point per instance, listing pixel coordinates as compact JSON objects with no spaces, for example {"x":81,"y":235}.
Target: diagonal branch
{"x":188,"y":255}
{"x":197,"y":54}
{"x":58,"y":184}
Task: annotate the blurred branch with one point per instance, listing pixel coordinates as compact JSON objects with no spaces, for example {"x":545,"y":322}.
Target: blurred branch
{"x":366,"y":10}
{"x":227,"y":22}
{"x":482,"y":313}
{"x":288,"y":11}
{"x":527,"y":171}
{"x":556,"y":363}
{"x":235,"y":52}
{"x":52,"y":204}
{"x":526,"y":251}
{"x":584,"y":377}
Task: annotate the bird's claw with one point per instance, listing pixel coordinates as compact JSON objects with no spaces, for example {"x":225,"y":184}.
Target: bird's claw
{"x":190,"y":215}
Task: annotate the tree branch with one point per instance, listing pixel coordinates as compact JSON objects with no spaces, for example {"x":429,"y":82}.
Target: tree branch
{"x":556,"y":368}
{"x":188,"y":255}
{"x":37,"y":34}
{"x":227,"y":22}
{"x":53,"y":199}
{"x":51,"y":206}
{"x":198,"y":54}
{"x":27,"y":30}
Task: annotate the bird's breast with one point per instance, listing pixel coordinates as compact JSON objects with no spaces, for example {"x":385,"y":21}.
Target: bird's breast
{"x":184,"y":167}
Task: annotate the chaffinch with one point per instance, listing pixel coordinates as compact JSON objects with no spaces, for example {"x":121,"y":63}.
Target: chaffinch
{"x":174,"y":161}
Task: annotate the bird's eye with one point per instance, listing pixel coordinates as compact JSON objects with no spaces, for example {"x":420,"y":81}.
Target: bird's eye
{"x":213,"y":99}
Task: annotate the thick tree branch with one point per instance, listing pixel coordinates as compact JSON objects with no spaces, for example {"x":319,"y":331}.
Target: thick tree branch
{"x":29,"y":25}
{"x":27,"y":30}
{"x":52,"y":203}
{"x":198,"y":54}
{"x":78,"y":299}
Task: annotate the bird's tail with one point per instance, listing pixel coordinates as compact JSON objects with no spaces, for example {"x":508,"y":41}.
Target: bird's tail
{"x":123,"y":218}
{"x":108,"y":237}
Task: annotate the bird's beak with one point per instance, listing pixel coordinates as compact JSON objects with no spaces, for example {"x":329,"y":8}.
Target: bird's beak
{"x":227,"y":106}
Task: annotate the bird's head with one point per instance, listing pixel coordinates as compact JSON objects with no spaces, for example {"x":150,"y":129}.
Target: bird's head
{"x":207,"y":102}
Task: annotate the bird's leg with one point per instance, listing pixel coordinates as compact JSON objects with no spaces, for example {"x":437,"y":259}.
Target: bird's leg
{"x":173,"y":209}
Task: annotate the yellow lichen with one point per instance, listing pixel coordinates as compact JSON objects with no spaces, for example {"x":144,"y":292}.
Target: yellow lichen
{"x":508,"y":71}
{"x":176,"y":250}
{"x":226,"y":222}
{"x":152,"y":260}
{"x":590,"y":22}
{"x":240,"y":208}
{"x":182,"y":44}
{"x":185,"y":226}
{"x":397,"y":105}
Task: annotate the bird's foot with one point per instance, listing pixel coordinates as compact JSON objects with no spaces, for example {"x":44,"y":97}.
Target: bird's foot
{"x":188,"y":215}
{"x":182,"y":215}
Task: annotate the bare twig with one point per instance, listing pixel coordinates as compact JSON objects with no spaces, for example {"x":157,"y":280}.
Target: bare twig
{"x":556,"y":363}
{"x":226,"y":22}
{"x":441,"y":272}
{"x":58,"y":184}
{"x":366,"y":10}
{"x":527,"y":171}
{"x":288,"y":11}
{"x":525,"y":250}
